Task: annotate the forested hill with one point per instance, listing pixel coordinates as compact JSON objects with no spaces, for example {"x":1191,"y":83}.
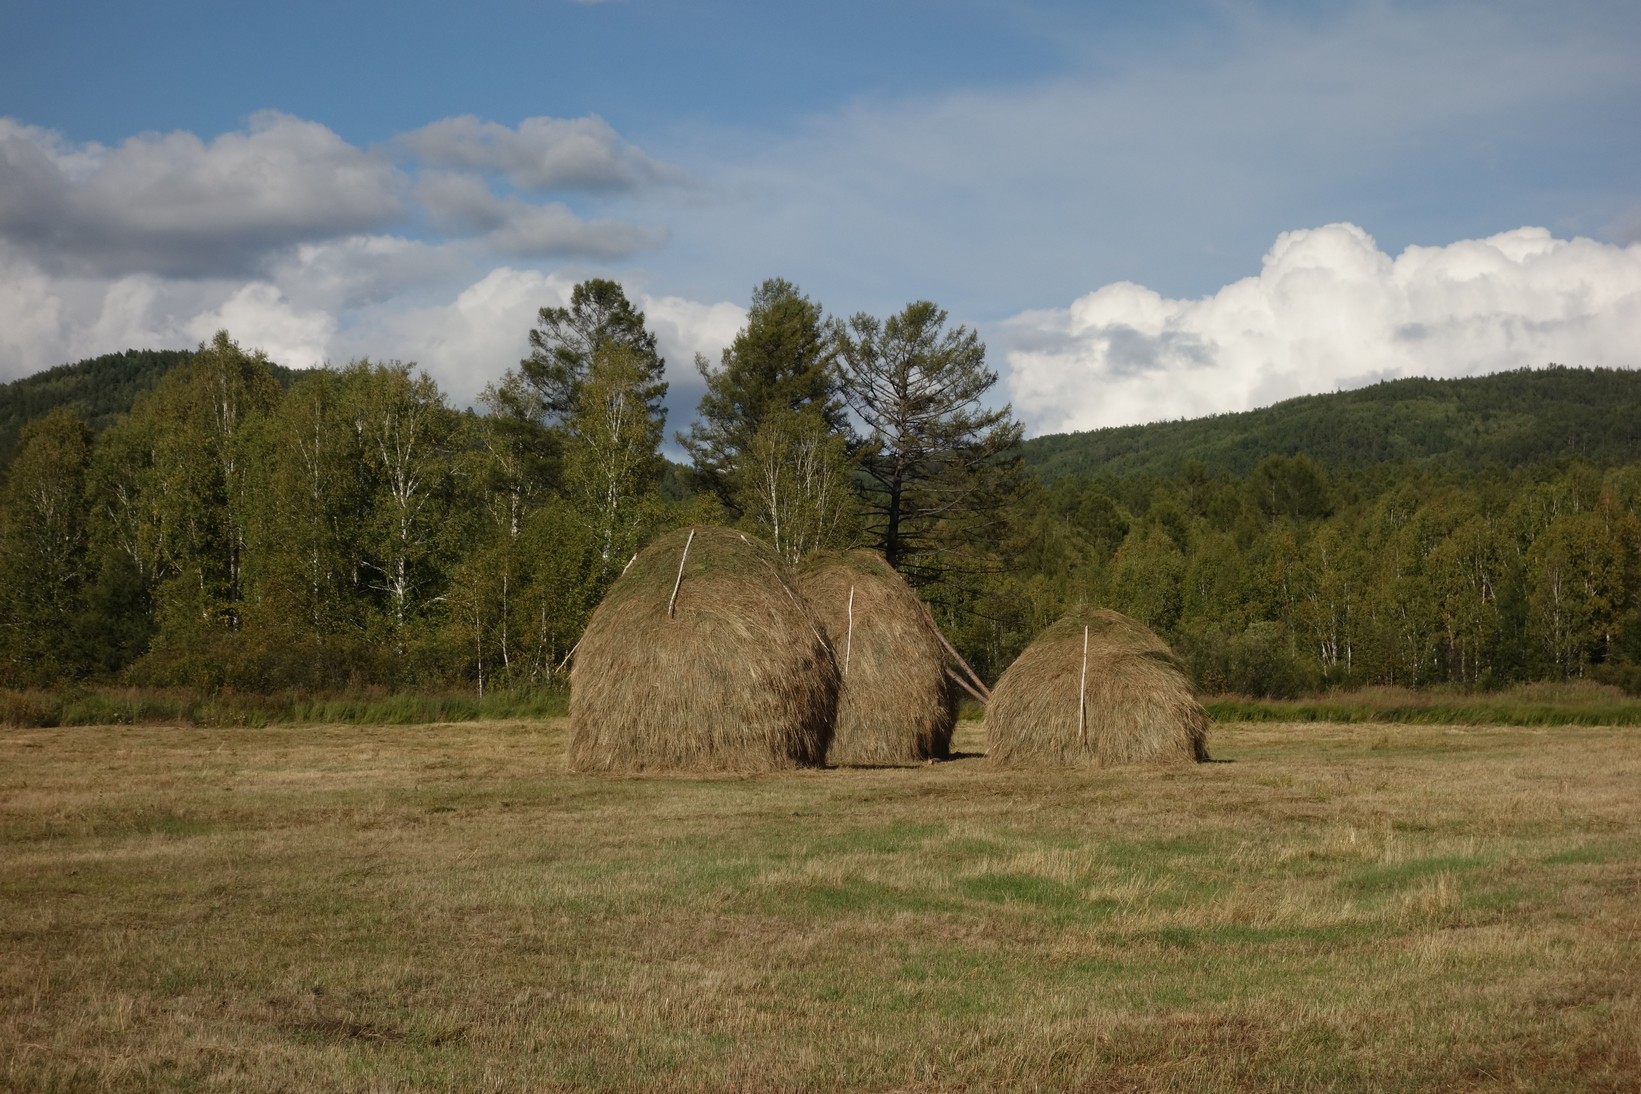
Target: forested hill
{"x":100,"y":389}
{"x":1510,"y":418}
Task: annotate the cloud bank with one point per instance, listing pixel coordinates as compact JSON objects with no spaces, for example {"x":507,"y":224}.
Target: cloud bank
{"x":306,"y":246}
{"x":1328,"y":310}
{"x":177,"y":206}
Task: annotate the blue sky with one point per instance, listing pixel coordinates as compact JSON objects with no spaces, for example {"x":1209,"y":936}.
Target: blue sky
{"x":1147,"y":211}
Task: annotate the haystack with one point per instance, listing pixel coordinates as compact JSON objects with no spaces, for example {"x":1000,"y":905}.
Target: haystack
{"x":1096,"y":689}
{"x":895,"y":704}
{"x":702,"y":657}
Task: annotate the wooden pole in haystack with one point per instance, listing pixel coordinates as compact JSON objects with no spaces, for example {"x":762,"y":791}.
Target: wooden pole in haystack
{"x":849,"y":638}
{"x":673,"y":600}
{"x":1082,"y":695}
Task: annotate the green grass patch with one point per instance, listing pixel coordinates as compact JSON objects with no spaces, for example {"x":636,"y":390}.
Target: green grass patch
{"x":1579,"y":704}
{"x":1394,"y":877}
{"x":1030,"y":889}
{"x":31,"y":708}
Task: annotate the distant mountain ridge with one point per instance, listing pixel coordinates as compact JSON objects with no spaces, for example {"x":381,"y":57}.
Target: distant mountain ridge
{"x":1508,"y":418}
{"x":100,"y":389}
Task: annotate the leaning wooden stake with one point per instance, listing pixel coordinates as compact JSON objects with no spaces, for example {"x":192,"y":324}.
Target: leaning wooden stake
{"x":849,"y":638}
{"x":974,"y":677}
{"x":571,"y":654}
{"x":964,"y":684}
{"x":1082,"y":696}
{"x":674,"y":598}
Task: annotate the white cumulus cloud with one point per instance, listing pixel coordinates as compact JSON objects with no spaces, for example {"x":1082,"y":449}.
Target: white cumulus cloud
{"x":175,"y":205}
{"x":468,"y":341}
{"x":1328,"y":310}
{"x":48,"y":319}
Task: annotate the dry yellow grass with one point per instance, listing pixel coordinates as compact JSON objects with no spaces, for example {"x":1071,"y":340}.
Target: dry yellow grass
{"x":317,"y":908}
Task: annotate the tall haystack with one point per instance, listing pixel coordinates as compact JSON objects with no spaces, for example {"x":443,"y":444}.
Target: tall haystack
{"x":702,"y":657}
{"x":896,"y":704}
{"x":1096,"y":689}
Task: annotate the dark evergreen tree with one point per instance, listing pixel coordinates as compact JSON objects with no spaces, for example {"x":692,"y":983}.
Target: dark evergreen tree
{"x":781,"y":361}
{"x":939,"y":465}
{"x":562,"y":345}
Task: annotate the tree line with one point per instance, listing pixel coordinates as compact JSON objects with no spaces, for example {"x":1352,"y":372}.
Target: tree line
{"x":348,"y":527}
{"x":246,"y":527}
{"x":1292,"y":579}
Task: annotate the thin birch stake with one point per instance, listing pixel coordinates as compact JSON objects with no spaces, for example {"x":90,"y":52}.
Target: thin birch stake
{"x":628,"y":566}
{"x":965,"y":685}
{"x":674,"y":598}
{"x":571,"y":654}
{"x":849,"y":639}
{"x":1082,"y":696}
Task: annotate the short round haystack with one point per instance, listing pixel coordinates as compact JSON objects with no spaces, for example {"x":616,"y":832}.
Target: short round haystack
{"x":734,"y":677}
{"x":1137,"y":706}
{"x":896,"y":703}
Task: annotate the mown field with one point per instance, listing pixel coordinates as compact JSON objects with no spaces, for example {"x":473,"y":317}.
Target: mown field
{"x":327,"y":908}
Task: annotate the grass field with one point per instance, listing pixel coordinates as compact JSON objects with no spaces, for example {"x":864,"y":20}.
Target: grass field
{"x":440,"y":907}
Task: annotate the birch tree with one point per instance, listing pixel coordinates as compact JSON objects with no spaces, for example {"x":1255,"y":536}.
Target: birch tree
{"x":613,"y":460}
{"x":795,"y":485}
{"x":44,"y":558}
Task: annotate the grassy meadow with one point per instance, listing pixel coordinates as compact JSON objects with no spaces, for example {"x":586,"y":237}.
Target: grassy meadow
{"x":441,"y":907}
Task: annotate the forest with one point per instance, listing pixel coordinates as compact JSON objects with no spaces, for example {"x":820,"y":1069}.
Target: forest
{"x":209,"y":520}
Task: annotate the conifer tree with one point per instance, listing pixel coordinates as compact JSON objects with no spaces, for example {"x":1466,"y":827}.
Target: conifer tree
{"x":781,"y":362}
{"x":939,"y":465}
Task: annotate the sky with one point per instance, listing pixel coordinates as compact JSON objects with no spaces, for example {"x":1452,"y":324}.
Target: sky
{"x":1147,"y":212}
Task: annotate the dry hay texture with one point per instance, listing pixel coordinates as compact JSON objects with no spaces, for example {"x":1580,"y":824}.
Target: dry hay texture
{"x":896,"y":704}
{"x":736,"y":678}
{"x":1140,"y":707}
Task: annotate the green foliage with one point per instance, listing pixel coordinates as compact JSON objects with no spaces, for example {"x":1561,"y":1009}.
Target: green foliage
{"x":1537,"y":705}
{"x":238,"y":530}
{"x":44,"y":557}
{"x":794,"y":487}
{"x":565,"y":341}
{"x":614,"y":456}
{"x":783,"y":360}
{"x":83,"y":706}
{"x":98,"y":390}
{"x":176,"y":493}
